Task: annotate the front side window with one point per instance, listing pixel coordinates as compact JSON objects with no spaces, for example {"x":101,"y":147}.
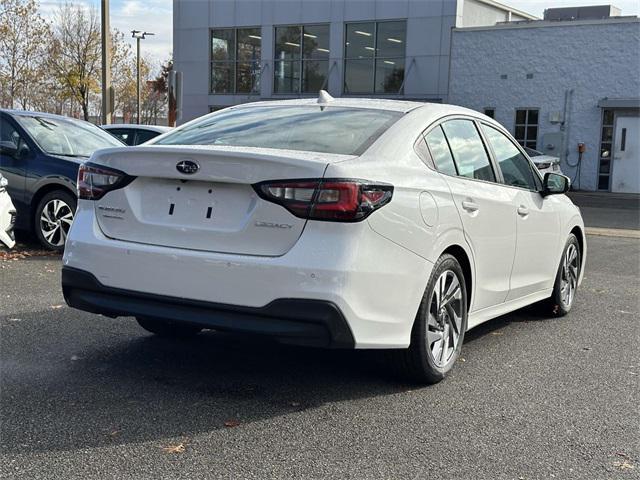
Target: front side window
{"x":347,"y":131}
{"x":526,"y":128}
{"x":301,"y":62}
{"x":9,"y":134}
{"x":70,"y":138}
{"x":375,"y":57}
{"x":235,"y":60}
{"x":440,"y":151}
{"x":516,"y":169}
{"x":468,"y":151}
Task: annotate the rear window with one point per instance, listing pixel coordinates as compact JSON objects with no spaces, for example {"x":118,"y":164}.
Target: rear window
{"x":347,"y":131}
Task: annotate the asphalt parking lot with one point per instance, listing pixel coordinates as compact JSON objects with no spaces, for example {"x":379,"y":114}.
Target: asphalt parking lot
{"x":83,"y":396}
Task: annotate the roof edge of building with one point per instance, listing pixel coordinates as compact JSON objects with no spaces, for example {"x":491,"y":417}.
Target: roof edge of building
{"x":508,"y":8}
{"x":551,"y":23}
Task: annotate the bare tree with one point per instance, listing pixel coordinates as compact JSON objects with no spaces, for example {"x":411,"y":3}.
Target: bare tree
{"x":75,"y":52}
{"x":23,"y":38}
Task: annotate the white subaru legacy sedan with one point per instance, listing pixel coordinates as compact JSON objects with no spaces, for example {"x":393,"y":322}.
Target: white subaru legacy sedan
{"x":346,"y":223}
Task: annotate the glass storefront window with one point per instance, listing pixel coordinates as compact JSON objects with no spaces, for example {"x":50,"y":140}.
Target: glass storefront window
{"x":375,"y":57}
{"x":235,"y":60}
{"x":301,"y":62}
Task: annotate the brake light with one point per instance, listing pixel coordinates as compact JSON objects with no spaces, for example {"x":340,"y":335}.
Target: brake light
{"x":327,"y":199}
{"x":94,"y":181}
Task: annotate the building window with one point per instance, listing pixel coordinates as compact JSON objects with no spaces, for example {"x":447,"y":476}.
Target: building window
{"x":301,"y":62}
{"x":490,"y":112}
{"x":526,"y":131}
{"x":235,"y":60}
{"x":606,"y":143}
{"x":375,"y":57}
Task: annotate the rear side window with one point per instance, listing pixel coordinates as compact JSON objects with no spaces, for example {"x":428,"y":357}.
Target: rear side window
{"x":440,"y":151}
{"x":347,"y":131}
{"x":127,"y":136}
{"x":145,"y":136}
{"x":516,"y":169}
{"x":468,"y":150}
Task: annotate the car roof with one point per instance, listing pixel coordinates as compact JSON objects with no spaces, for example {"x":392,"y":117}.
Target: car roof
{"x":433,"y":110}
{"x":135,"y":126}
{"x":26,"y":113}
{"x":373,"y":103}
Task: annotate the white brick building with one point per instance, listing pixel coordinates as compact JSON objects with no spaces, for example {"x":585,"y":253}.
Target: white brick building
{"x":556,"y":84}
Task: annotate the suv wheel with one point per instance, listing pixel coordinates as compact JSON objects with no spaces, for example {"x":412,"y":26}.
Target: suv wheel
{"x":53,"y":219}
{"x":440,"y":325}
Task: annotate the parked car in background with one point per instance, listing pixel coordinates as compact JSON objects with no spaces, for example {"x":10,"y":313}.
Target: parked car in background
{"x":7,"y":215}
{"x":39,"y":155}
{"x":348,"y":223}
{"x":133,"y":134}
{"x":545,"y":163}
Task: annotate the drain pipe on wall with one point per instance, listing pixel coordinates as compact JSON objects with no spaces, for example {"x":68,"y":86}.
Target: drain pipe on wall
{"x":566,"y":129}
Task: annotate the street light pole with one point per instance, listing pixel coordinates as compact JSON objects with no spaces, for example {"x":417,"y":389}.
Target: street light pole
{"x":106,"y":64}
{"x":138,"y":35}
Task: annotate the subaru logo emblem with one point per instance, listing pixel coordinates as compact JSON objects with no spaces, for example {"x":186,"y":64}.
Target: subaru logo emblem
{"x":187,"y":167}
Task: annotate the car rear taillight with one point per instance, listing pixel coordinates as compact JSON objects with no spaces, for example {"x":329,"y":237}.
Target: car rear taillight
{"x":328,"y":199}
{"x":94,"y":181}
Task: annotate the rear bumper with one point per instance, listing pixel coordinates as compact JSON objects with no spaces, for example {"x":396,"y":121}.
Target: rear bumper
{"x":289,"y":320}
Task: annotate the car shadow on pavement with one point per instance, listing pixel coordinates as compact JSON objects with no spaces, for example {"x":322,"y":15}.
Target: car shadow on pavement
{"x":143,"y":388}
{"x":121,"y":385}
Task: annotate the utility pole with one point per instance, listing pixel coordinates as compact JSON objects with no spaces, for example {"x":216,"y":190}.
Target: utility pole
{"x":106,"y":64}
{"x":139,"y":35}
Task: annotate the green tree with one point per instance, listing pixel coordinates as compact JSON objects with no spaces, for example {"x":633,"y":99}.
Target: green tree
{"x":75,"y":52}
{"x":23,"y":40}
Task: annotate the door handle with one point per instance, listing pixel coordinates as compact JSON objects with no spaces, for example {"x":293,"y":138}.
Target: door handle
{"x":523,"y":211}
{"x":470,"y":206}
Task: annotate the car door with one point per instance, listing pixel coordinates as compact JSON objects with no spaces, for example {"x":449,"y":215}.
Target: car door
{"x":537,"y":218}
{"x":484,"y":206}
{"x":14,"y":167}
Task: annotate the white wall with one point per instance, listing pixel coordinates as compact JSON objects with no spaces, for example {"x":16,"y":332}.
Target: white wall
{"x":594,"y":59}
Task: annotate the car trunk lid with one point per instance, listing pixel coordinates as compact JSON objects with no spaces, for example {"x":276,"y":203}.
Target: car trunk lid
{"x":212,"y":209}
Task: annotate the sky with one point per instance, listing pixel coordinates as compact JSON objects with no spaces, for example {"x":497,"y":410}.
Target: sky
{"x":156,"y":16}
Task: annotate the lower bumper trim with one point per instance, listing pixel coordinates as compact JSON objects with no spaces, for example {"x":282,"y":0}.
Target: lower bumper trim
{"x":289,"y":320}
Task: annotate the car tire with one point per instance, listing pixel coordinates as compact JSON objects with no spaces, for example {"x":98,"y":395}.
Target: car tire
{"x":561,"y":300}
{"x":168,"y":329}
{"x":53,"y":217}
{"x":423,"y":362}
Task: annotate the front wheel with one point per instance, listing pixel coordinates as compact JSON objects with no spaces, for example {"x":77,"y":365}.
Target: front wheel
{"x":566,"y":284}
{"x":53,"y":219}
{"x":439,"y":327}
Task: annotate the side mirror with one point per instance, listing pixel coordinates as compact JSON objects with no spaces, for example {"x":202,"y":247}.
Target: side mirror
{"x":9,"y":148}
{"x":554,"y":183}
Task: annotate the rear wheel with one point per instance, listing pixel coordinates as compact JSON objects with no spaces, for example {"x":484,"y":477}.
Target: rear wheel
{"x":166,"y":328}
{"x":566,"y":284}
{"x":439,"y":327}
{"x":53,"y":219}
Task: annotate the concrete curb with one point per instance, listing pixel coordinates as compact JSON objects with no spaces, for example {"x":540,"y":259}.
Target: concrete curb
{"x":612,"y":232}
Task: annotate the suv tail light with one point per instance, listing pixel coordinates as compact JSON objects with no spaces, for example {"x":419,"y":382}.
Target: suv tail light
{"x":327,"y":199}
{"x":94,"y":181}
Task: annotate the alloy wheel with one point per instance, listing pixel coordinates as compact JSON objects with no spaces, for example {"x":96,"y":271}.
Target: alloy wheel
{"x":445,"y":318}
{"x":55,"y":222}
{"x":569,"y":278}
